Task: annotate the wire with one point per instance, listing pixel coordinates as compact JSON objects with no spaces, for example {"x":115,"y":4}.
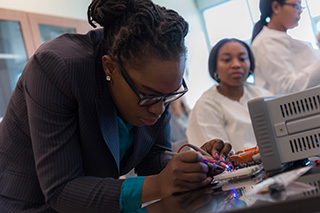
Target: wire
{"x":213,"y":166}
{"x":194,"y":148}
{"x":182,"y":147}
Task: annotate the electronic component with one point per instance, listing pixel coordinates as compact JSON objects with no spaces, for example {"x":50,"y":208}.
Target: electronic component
{"x":239,"y":173}
{"x":287,"y":128}
{"x":244,"y":156}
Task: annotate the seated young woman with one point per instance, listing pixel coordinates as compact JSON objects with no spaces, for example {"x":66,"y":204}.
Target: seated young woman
{"x":221,"y":112}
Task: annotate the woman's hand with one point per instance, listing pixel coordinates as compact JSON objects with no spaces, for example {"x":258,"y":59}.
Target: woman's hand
{"x":184,"y":172}
{"x":217,"y":148}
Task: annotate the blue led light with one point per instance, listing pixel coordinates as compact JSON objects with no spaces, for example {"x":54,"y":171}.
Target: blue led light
{"x":235,"y":194}
{"x":308,"y":163}
{"x":228,"y":167}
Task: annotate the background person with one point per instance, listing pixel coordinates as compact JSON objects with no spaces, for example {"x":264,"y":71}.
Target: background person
{"x":222,"y":112}
{"x":283,"y":64}
{"x":179,"y":120}
{"x":89,"y":108}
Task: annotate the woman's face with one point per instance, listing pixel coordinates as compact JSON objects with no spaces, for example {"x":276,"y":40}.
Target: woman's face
{"x":233,"y":64}
{"x":154,"y":77}
{"x":288,"y":14}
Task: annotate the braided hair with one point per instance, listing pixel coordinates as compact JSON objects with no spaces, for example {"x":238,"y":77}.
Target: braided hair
{"x":136,"y":28}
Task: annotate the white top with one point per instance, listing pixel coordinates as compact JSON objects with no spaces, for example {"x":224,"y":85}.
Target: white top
{"x":283,"y":64}
{"x":216,"y":116}
{"x":178,"y":127}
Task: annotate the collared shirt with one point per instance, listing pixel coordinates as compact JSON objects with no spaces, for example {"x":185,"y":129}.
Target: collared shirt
{"x":215,"y":116}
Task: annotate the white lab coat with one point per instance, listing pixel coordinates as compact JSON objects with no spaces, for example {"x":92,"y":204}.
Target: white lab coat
{"x":283,"y":64}
{"x":216,"y":116}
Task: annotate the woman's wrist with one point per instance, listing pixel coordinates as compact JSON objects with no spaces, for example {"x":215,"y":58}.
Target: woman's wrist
{"x":151,"y":189}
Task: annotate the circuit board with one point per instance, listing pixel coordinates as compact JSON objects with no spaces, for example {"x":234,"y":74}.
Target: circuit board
{"x":239,"y":173}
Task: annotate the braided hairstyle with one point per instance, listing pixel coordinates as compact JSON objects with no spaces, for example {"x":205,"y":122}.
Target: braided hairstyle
{"x":265,"y":7}
{"x":136,"y":28}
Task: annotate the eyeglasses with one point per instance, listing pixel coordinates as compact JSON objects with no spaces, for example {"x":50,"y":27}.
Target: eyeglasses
{"x":148,"y":100}
{"x":297,"y":6}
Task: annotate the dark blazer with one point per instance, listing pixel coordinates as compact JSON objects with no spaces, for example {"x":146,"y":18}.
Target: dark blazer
{"x":59,"y":142}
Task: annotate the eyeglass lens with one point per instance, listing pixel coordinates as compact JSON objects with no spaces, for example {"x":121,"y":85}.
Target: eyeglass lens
{"x":147,"y":101}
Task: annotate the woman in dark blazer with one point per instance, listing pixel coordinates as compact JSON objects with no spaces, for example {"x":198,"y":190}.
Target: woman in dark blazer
{"x":89,"y":108}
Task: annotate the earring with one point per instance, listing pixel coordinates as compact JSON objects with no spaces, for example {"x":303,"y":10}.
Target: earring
{"x":216,"y":76}
{"x":108,"y":78}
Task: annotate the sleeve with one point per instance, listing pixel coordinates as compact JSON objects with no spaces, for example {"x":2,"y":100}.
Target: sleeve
{"x":142,"y":210}
{"x":130,"y":198}
{"x":52,"y":114}
{"x":276,"y":62}
{"x":206,"y":122}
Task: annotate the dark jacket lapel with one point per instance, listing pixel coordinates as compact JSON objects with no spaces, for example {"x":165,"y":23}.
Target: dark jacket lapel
{"x":107,"y":112}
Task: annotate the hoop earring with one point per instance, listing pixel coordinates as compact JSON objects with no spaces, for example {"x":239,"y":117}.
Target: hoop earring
{"x":108,"y":78}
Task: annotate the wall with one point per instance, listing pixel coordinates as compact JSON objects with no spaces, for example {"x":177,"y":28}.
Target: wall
{"x":65,"y":8}
{"x":198,"y":78}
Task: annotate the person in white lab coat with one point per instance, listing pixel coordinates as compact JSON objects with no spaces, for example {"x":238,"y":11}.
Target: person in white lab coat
{"x":222,"y":112}
{"x":283,"y":64}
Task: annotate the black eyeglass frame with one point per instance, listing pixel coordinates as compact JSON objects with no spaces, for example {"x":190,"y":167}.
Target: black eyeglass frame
{"x":296,"y":6}
{"x":143,"y":98}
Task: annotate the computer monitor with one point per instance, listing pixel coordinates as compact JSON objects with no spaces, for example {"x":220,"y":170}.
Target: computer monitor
{"x":287,"y":127}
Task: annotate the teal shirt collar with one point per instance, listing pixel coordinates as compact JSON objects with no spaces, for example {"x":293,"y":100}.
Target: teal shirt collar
{"x":126,"y":136}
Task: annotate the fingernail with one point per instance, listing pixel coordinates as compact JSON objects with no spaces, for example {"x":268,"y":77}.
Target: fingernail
{"x":205,"y":160}
{"x":199,"y":157}
{"x":212,"y":161}
{"x":216,"y":156}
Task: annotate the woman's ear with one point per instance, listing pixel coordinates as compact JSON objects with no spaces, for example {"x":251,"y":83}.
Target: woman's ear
{"x":275,"y":7}
{"x":108,"y":65}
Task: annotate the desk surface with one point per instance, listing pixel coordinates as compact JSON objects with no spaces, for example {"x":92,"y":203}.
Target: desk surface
{"x":234,"y":197}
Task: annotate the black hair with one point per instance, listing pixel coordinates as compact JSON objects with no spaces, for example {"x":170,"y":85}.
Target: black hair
{"x":213,"y":57}
{"x":137,"y":28}
{"x":265,"y":7}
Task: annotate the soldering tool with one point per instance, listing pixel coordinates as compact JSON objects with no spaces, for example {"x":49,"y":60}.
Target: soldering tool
{"x":196,"y":149}
{"x":213,"y":163}
{"x":220,"y":163}
{"x":224,"y":165}
{"x":211,"y":166}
